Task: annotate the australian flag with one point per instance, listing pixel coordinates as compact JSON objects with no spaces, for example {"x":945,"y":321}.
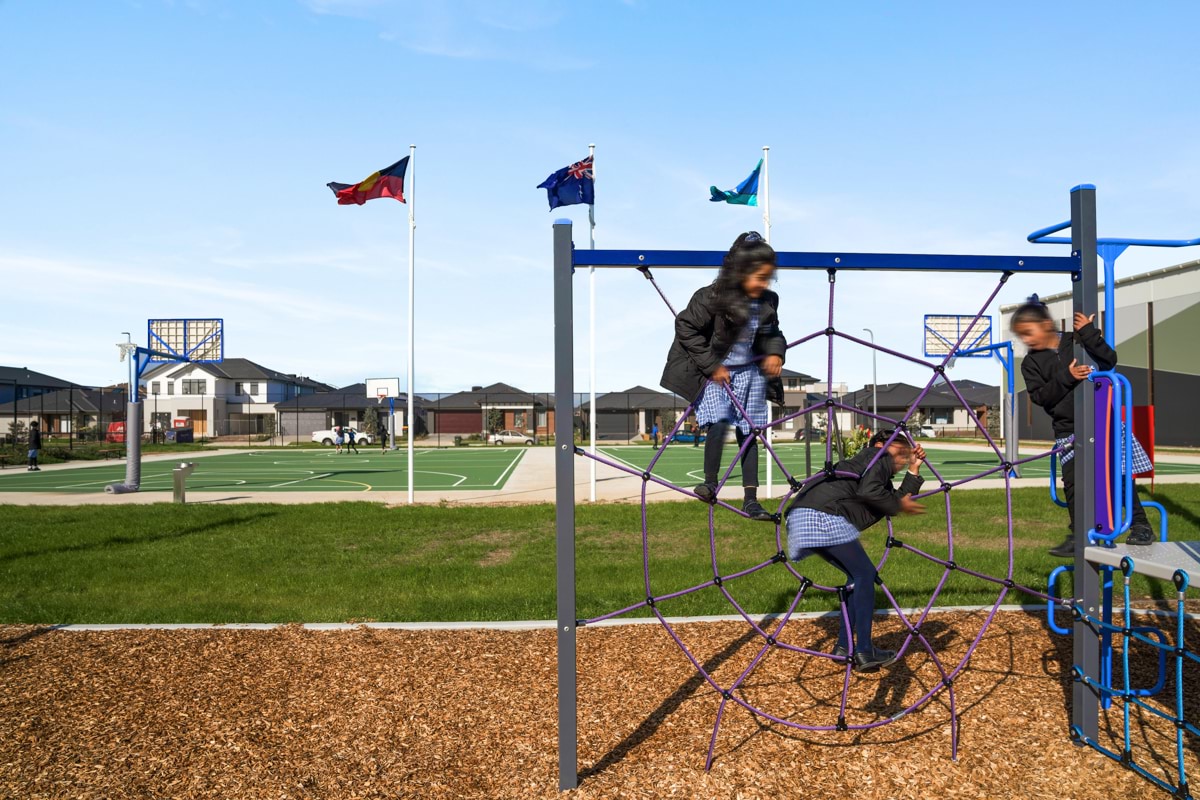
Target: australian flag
{"x":571,"y":185}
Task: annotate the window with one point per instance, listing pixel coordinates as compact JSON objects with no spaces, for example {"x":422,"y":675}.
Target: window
{"x":941,"y":417}
{"x":542,"y":419}
{"x":519,"y":420}
{"x":170,"y":387}
{"x":254,"y":388}
{"x":793,"y":383}
{"x":237,"y":388}
{"x":154,"y":386}
{"x":194,"y":386}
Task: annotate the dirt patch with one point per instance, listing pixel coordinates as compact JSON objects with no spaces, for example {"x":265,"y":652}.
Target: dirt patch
{"x":289,"y":713}
{"x":495,"y":558}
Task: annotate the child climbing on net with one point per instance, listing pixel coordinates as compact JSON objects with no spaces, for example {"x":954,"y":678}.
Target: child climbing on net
{"x":829,"y":516}
{"x":728,"y":345}
{"x":1051,"y":375}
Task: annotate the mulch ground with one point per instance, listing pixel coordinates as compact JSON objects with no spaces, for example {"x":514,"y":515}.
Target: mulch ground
{"x":289,"y":713}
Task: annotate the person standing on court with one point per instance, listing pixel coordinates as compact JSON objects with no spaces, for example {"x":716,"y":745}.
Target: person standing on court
{"x":383,"y":436}
{"x":35,"y":444}
{"x":654,"y":433}
{"x":339,"y":438}
{"x":350,"y":441}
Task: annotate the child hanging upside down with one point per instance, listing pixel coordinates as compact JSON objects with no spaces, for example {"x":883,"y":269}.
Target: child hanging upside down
{"x":727,"y":341}
{"x":828,"y":517}
{"x":1051,"y":375}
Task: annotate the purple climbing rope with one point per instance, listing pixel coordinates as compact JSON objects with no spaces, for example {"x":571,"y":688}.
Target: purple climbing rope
{"x":771,"y":636}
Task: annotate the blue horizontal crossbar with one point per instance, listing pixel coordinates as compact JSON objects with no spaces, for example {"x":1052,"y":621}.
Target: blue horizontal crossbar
{"x":684,"y":259}
{"x":1042,"y":236}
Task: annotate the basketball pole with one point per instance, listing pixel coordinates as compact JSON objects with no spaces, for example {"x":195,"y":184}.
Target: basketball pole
{"x":412,"y":239}
{"x":766,"y":211}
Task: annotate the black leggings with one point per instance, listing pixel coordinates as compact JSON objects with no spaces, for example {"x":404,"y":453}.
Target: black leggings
{"x":713,"y":446}
{"x":853,"y":560}
{"x":1068,"y":474}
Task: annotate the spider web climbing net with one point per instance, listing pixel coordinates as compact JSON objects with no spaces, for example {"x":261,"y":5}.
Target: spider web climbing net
{"x":773,"y":637}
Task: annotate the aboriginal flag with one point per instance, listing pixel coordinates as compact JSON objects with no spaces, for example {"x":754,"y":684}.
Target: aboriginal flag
{"x":388,"y":182}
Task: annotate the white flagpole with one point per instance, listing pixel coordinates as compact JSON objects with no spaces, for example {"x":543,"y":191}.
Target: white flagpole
{"x":592,"y":334}
{"x":766,"y":209}
{"x":412,"y":239}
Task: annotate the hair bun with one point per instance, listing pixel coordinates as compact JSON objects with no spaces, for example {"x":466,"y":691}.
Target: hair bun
{"x":1035,"y":300}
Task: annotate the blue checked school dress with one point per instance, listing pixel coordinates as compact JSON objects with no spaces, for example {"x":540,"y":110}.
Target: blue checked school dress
{"x":808,"y":528}
{"x":1141,"y":461}
{"x":746,"y":383}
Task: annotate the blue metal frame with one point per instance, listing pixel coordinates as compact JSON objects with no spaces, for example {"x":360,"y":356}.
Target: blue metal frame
{"x":693,"y":259}
{"x":169,"y":353}
{"x":1122,"y":466}
{"x":1109,"y":249}
{"x":971,"y":352}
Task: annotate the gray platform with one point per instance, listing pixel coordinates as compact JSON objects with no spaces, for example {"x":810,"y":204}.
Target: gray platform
{"x":1159,"y":560}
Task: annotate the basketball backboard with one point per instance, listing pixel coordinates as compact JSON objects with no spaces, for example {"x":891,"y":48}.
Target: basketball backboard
{"x":196,"y":340}
{"x":383,"y":388}
{"x":944,"y":331}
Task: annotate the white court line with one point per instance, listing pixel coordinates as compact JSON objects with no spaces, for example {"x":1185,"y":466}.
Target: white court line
{"x":301,"y":480}
{"x":461,"y":478}
{"x":520,"y":455}
{"x":615,"y":457}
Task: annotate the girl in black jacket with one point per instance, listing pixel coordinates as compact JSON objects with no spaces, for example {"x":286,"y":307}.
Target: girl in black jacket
{"x":728,"y":342}
{"x":829,"y":516}
{"x":1051,"y":374}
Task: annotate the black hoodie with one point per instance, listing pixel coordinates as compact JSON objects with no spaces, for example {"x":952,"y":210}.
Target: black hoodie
{"x":1048,"y":375}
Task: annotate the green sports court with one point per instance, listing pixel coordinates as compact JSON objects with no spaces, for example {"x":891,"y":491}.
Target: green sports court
{"x":290,"y":471}
{"x":683,"y":464}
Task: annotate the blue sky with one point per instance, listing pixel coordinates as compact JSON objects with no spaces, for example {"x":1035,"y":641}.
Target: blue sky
{"x":170,"y":159}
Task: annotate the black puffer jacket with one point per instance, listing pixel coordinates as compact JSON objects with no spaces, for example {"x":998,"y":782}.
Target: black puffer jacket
{"x":1048,"y":375}
{"x":703,"y":339}
{"x":864,"y":501}
{"x":35,"y":438}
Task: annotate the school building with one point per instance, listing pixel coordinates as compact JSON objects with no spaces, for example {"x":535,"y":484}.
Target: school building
{"x":1157,"y":333}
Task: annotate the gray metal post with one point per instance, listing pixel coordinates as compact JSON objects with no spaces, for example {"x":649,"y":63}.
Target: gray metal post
{"x":1085,"y":705}
{"x":564,"y":500}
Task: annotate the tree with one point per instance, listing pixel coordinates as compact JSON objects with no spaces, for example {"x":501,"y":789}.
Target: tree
{"x":495,"y":420}
{"x":371,"y":420}
{"x":16,"y":431}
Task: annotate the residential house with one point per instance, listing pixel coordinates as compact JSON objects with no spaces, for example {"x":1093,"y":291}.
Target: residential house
{"x":483,"y":409}
{"x":18,"y":383}
{"x":938,"y":408}
{"x":631,"y":415}
{"x":82,"y":413}
{"x":299,"y":416}
{"x":234,"y":397}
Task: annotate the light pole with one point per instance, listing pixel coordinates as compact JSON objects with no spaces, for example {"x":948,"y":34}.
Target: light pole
{"x":874,"y":380}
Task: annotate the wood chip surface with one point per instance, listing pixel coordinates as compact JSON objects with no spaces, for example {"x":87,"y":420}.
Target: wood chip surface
{"x":289,"y":713}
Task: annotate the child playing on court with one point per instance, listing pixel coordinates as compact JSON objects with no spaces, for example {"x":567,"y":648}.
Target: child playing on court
{"x":728,"y":342}
{"x":1051,"y":374}
{"x":829,"y":516}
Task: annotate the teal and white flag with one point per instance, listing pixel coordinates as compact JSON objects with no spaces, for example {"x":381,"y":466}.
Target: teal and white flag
{"x":746,"y":193}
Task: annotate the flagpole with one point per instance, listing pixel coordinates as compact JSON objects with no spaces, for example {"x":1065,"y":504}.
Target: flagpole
{"x":766,"y":195}
{"x":592,"y":335}
{"x":412,"y":239}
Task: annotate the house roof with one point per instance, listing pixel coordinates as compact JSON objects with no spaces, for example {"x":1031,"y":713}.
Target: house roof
{"x":498,"y":393}
{"x":791,"y":373}
{"x":636,"y":397}
{"x":28,"y":377}
{"x":976,"y":393}
{"x":240,"y":369}
{"x":68,"y":401}
{"x":352,"y":396}
{"x":894,"y":396}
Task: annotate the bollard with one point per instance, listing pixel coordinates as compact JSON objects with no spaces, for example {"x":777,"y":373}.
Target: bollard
{"x":180,"y":475}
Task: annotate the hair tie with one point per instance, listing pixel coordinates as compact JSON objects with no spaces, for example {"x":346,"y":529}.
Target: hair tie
{"x":1033,"y":300}
{"x":751,"y":237}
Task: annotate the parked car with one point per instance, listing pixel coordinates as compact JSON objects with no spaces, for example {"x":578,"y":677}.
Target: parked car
{"x":687,"y":436}
{"x":327,"y":437}
{"x":924,"y":432}
{"x":511,"y":437}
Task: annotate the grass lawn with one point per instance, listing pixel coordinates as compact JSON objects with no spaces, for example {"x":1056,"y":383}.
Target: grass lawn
{"x":347,"y":561}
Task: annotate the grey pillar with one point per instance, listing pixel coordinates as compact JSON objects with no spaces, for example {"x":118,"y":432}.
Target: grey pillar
{"x":564,"y":500}
{"x":1085,"y":707}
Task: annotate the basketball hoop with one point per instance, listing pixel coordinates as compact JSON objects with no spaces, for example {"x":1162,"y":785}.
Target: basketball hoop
{"x":382,"y":395}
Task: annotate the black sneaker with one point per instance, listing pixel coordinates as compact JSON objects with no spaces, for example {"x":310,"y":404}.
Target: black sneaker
{"x":706,"y":492}
{"x":1141,"y":535}
{"x":840,"y":652}
{"x":871,"y":662}
{"x":754,"y":510}
{"x":1066,"y":549}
